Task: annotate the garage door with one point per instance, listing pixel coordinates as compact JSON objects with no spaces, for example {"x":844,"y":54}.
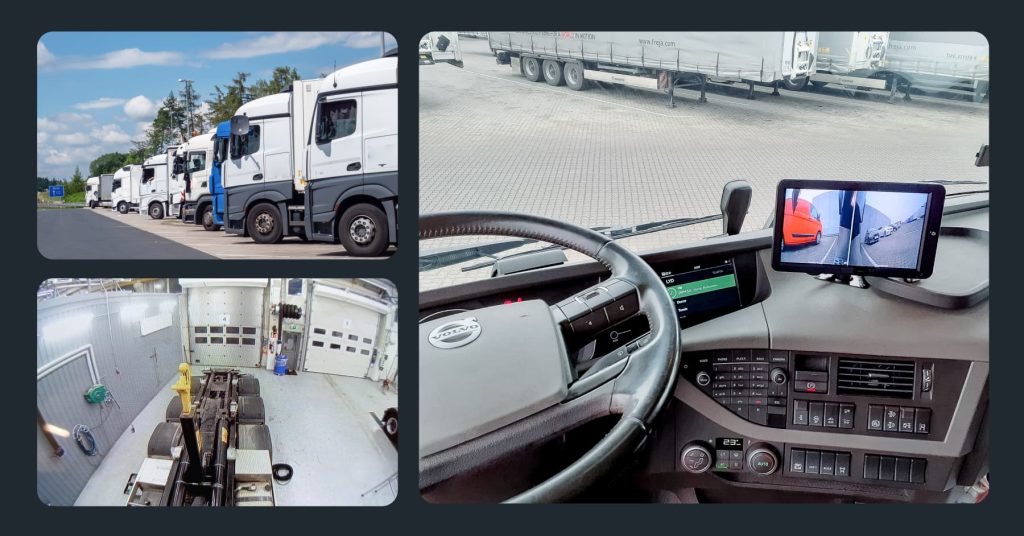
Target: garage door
{"x":342,"y":332}
{"x":225,"y":323}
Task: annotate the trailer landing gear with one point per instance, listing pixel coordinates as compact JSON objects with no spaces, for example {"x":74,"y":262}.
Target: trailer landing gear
{"x":703,"y":89}
{"x":750,"y":92}
{"x":775,"y":90}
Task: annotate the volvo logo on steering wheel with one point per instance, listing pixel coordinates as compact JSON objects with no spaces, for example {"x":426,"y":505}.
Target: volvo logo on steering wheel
{"x":455,"y":334}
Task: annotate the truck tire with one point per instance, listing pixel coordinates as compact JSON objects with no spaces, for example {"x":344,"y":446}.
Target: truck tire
{"x":173,"y":412}
{"x":573,"y":74}
{"x":255,"y":437}
{"x":250,"y":410}
{"x":391,"y":423}
{"x":165,"y":437}
{"x":92,"y":205}
{"x":363,"y":230}
{"x":248,"y":386}
{"x":264,"y":224}
{"x":156,"y":211}
{"x":552,"y":72}
{"x":530,"y":68}
{"x":122,"y":207}
{"x":207,"y":219}
{"x":796,"y":85}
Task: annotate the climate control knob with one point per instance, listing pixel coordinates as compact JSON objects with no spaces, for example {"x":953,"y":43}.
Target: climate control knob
{"x":696,"y":458}
{"x":703,"y":378}
{"x":763,"y":461}
{"x":778,"y":376}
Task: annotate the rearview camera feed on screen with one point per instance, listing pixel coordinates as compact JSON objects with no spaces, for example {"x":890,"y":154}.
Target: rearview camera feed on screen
{"x":860,"y":228}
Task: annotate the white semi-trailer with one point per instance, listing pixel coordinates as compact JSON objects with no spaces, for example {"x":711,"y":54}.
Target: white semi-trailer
{"x":98,"y":189}
{"x":319,"y":161}
{"x":851,"y":59}
{"x":940,"y":62}
{"x":126,"y":188}
{"x":658,"y":60}
{"x":196,"y":162}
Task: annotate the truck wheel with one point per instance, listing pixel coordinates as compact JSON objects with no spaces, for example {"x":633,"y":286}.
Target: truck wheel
{"x":173,"y":413}
{"x":255,"y":437}
{"x":165,"y":437}
{"x":122,"y":207}
{"x":250,"y":410}
{"x":363,"y":230}
{"x":573,"y":74}
{"x":391,"y":423}
{"x":530,"y":68}
{"x":156,"y":211}
{"x":92,"y":205}
{"x":264,"y":224}
{"x":552,"y":72}
{"x":248,"y":386}
{"x":207,"y":219}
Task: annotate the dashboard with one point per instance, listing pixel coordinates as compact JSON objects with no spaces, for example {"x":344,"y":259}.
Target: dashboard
{"x":791,"y":386}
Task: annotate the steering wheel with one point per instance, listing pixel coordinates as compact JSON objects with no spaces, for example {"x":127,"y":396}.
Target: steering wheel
{"x":492,"y":383}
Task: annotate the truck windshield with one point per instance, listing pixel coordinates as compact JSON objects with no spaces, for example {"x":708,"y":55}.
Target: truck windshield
{"x":609,"y":130}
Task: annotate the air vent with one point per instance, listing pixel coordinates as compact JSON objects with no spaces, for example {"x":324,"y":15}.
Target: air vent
{"x":876,"y":377}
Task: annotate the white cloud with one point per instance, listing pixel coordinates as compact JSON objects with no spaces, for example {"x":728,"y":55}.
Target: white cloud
{"x":125,"y":59}
{"x":63,"y":122}
{"x":43,"y":55}
{"x":99,"y":104}
{"x":56,"y":158}
{"x":140,"y":107}
{"x":74,"y":138}
{"x":41,"y":137}
{"x":203,"y":109}
{"x":279,"y":42}
{"x":110,"y":135}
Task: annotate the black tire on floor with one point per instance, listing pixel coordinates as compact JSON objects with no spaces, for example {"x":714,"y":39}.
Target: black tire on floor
{"x":264,"y":224}
{"x":207,"y":219}
{"x":530,"y":68}
{"x":248,"y":386}
{"x":250,"y":410}
{"x":573,"y":75}
{"x":552,"y":72}
{"x":122,"y":207}
{"x":255,"y":437}
{"x":391,"y":423}
{"x":363,"y":230}
{"x":156,"y":211}
{"x":173,"y":412}
{"x":165,"y":437}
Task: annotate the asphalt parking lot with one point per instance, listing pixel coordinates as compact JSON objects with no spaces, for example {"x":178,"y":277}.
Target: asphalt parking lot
{"x":614,"y":156}
{"x":105,"y":234}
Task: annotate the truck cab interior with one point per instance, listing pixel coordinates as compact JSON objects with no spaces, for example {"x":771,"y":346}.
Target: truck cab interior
{"x":700,"y":373}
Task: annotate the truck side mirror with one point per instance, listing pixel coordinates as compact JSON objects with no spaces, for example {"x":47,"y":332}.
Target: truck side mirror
{"x":735,"y":202}
{"x":240,"y":125}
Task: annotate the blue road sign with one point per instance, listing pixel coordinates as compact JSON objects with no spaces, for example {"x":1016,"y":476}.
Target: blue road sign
{"x":56,"y":191}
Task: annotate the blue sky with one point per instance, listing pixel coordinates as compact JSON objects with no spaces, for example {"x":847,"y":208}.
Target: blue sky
{"x":97,"y":91}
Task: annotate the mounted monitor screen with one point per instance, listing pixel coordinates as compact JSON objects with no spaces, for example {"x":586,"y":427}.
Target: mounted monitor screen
{"x":841,"y":227}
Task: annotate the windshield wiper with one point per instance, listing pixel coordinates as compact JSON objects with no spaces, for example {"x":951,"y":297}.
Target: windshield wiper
{"x":441,"y":259}
{"x":947,"y":181}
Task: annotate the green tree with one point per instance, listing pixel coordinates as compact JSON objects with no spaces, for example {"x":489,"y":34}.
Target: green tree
{"x":227,"y":100}
{"x":190,"y":102}
{"x":106,"y":163}
{"x":281,"y":78}
{"x":76,"y":184}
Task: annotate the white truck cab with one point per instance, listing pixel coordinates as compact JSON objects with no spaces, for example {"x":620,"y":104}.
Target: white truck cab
{"x":196,"y":159}
{"x":98,"y":189}
{"x":126,"y":185}
{"x":159,"y":189}
{"x":319,"y":161}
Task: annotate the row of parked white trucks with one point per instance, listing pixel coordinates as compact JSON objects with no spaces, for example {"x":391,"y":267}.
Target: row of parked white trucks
{"x":951,"y":63}
{"x":318,"y":161}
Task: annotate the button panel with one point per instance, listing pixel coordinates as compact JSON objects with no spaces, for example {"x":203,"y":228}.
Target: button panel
{"x":894,"y":469}
{"x":741,"y":380}
{"x":817,"y":462}
{"x":899,"y":419}
{"x":823,"y":414}
{"x":597,"y":308}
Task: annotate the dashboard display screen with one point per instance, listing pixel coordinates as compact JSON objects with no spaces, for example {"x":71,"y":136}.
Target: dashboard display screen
{"x":830,"y":227}
{"x":700,"y":291}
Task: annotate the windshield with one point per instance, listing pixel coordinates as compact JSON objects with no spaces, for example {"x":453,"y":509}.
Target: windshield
{"x":619,"y":129}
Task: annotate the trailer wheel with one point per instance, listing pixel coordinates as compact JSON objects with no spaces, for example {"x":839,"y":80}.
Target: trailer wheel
{"x":248,"y":386}
{"x":363,"y":230}
{"x":156,"y":211}
{"x":207,"y":219}
{"x":255,"y":437}
{"x":796,"y":85}
{"x":552,"y":72}
{"x":391,"y":423}
{"x":173,"y":412}
{"x":122,"y":207}
{"x":573,"y":74}
{"x":250,"y":410}
{"x":264,"y":224}
{"x":165,"y":437}
{"x":530,"y":68}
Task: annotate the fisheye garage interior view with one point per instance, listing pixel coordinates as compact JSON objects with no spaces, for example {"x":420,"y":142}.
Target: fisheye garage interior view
{"x":704,"y":267}
{"x":217,"y":392}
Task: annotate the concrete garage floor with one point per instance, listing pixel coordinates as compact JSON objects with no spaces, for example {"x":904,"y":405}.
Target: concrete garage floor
{"x":319,"y":424}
